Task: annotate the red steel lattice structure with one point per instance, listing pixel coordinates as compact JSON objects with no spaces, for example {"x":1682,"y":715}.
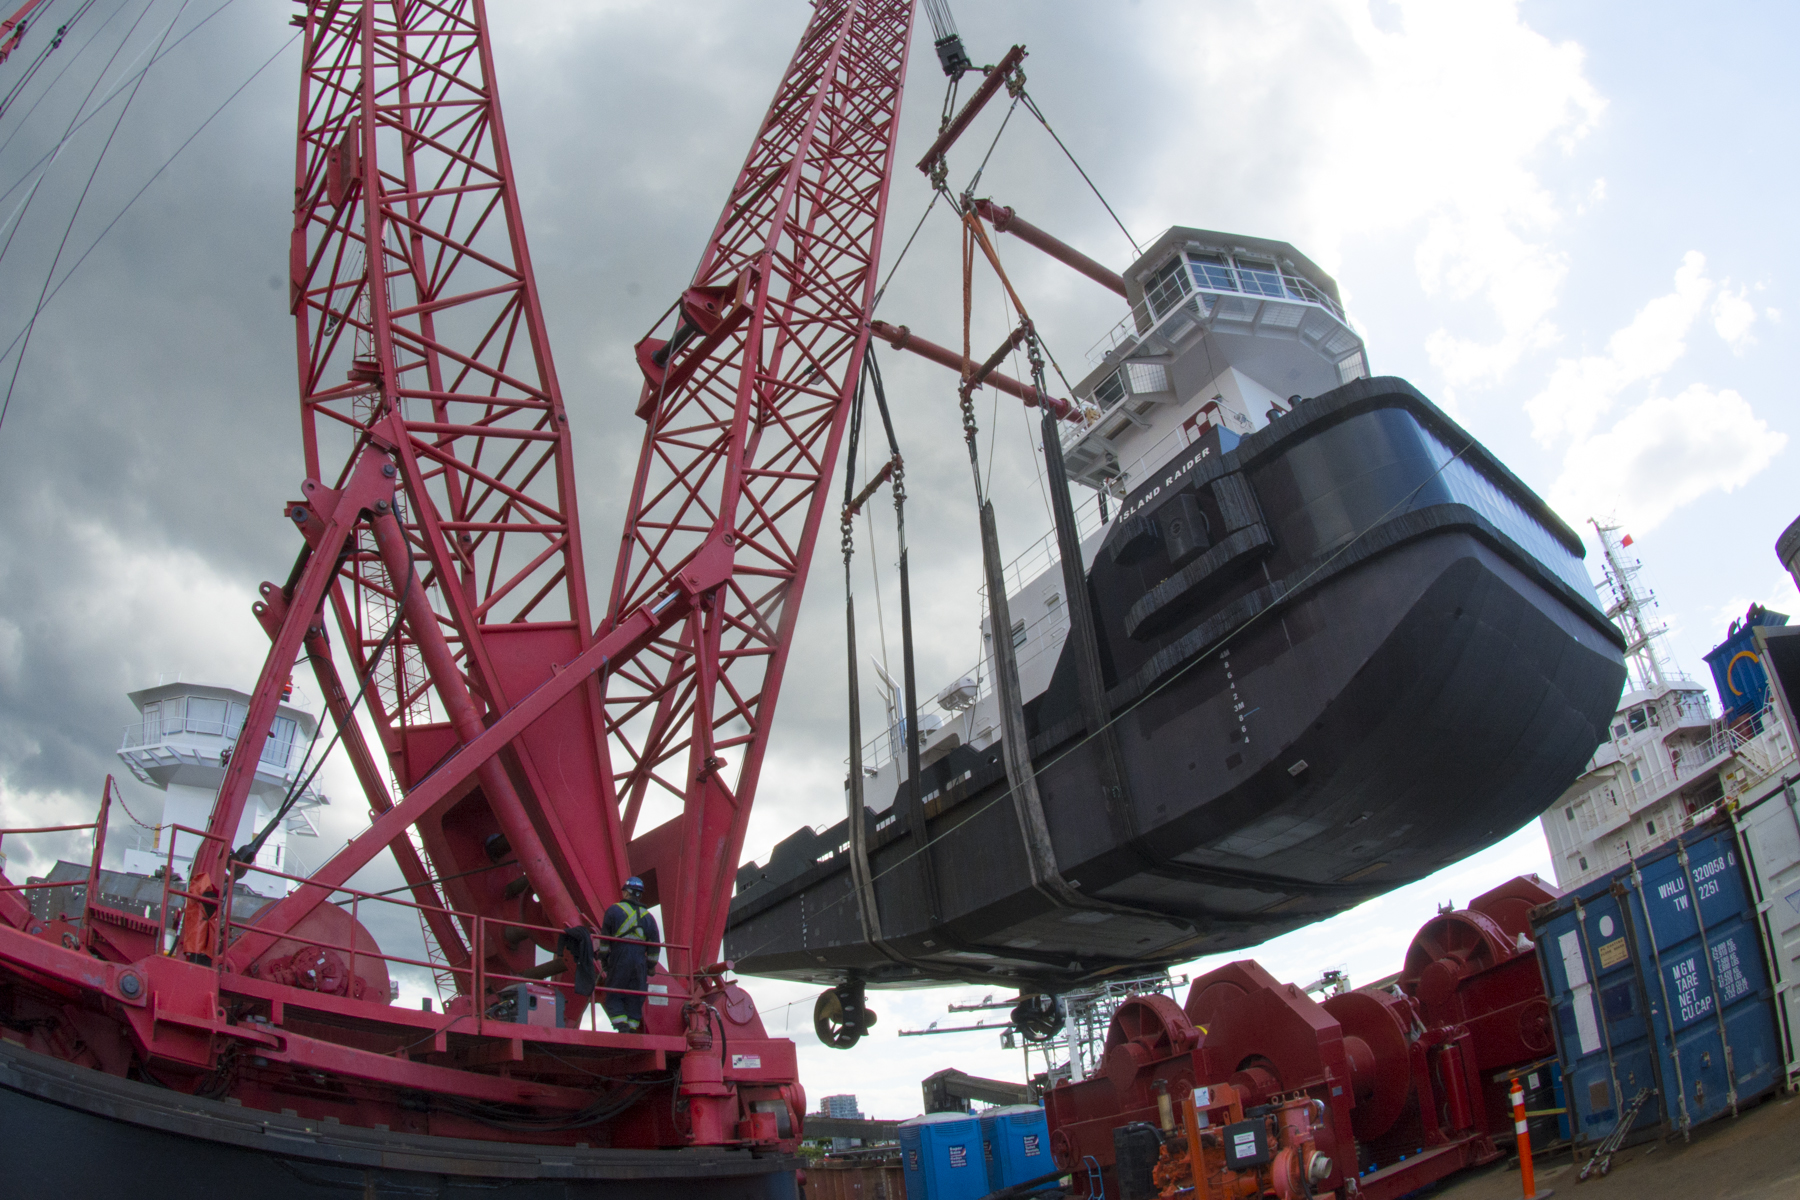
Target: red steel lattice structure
{"x":744,"y":422}
{"x":441,"y":372}
{"x":441,"y":543}
{"x":422,"y":355}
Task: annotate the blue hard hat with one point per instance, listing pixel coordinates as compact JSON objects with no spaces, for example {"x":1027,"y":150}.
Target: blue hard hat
{"x":634,"y":884}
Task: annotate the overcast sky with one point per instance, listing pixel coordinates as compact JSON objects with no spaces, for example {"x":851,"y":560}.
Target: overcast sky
{"x":1568,"y":223}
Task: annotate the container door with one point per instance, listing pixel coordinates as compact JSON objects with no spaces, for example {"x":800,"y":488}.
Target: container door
{"x":1769,"y":835}
{"x":1601,"y":1018}
{"x":1711,"y":1001}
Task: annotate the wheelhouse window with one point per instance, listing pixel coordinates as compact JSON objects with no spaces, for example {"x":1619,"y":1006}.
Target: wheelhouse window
{"x":1212,"y":271}
{"x":1167,"y":288}
{"x":1259,"y":277}
{"x":1297,"y":286}
{"x":280,"y":743}
{"x":206,"y":715}
{"x":1637,"y":720}
{"x":174,"y":715}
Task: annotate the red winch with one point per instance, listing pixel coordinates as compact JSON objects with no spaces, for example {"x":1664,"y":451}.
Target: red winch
{"x":1374,"y":1092}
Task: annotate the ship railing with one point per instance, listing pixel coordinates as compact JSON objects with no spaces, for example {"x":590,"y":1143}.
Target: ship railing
{"x":1761,"y":753}
{"x":92,"y":881}
{"x":1159,"y":452}
{"x":1024,"y":567}
{"x":1203,"y":305}
{"x":475,"y":978}
{"x":145,"y":734}
{"x":1042,"y":554}
{"x":7,"y":885}
{"x":1143,"y":319}
{"x":1129,"y":330}
{"x":1034,"y":640}
{"x":889,"y":745}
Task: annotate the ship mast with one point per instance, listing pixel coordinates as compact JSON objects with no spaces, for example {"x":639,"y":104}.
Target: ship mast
{"x":1628,"y":611}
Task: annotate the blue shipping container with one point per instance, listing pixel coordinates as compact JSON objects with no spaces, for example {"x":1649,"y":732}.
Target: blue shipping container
{"x":940,"y":1154}
{"x":1657,"y":981}
{"x":1015,"y":1144}
{"x":1737,"y":669}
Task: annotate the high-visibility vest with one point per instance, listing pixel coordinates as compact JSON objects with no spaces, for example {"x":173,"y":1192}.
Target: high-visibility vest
{"x":632,"y":926}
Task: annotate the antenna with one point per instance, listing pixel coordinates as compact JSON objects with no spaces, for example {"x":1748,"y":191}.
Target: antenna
{"x":1627,"y":611}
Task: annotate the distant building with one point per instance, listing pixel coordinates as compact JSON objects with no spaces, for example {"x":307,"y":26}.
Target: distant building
{"x":1667,"y":760}
{"x":843,"y":1107}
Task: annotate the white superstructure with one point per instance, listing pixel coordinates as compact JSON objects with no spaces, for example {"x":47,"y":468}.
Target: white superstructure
{"x":186,"y":735}
{"x":1668,"y":760}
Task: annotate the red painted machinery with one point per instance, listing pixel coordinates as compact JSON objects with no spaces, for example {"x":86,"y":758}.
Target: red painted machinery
{"x":1401,"y":1074}
{"x":1222,"y":1152}
{"x":541,"y":752}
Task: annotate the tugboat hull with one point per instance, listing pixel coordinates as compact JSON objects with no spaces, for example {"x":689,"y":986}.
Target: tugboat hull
{"x":1378,"y":659}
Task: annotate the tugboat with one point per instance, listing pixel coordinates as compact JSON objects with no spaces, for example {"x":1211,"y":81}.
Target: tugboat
{"x":1339,"y":644}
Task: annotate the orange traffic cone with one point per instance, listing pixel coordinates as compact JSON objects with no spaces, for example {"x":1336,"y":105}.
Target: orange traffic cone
{"x":1527,"y":1177}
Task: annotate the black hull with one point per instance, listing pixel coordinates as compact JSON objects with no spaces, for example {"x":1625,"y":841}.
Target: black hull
{"x":1381,"y":665}
{"x":71,"y":1131}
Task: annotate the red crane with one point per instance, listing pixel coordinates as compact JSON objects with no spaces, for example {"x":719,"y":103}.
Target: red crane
{"x":451,"y":509}
{"x":521,"y":741}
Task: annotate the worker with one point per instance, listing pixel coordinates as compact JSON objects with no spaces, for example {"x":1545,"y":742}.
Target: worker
{"x":631,"y":958}
{"x":198,"y":929}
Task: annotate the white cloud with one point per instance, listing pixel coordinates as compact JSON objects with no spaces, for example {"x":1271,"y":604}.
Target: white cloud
{"x":1582,"y":390}
{"x":1595,"y":198}
{"x":1778,"y":593}
{"x":1429,"y":119}
{"x":1733,"y":315}
{"x":1666,"y":452}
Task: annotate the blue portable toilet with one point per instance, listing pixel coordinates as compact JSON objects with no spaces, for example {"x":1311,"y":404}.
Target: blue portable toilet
{"x":940,"y":1154}
{"x":1015,"y":1145}
{"x":1657,"y":980}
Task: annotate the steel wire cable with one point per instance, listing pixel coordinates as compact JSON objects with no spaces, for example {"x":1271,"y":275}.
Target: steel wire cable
{"x":98,"y":108}
{"x":975,"y":179}
{"x":1210,"y":653}
{"x":49,"y":159}
{"x":43,"y":56}
{"x":302,"y":781}
{"x":882,"y":290}
{"x":1032,"y":108}
{"x":99,"y":160}
{"x":157,"y":174}
{"x":69,"y":61}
